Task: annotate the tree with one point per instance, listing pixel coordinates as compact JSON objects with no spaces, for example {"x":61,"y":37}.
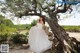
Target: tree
{"x":6,"y":25}
{"x":6,"y":22}
{"x":51,"y":8}
{"x":1,"y":18}
{"x":34,"y":23}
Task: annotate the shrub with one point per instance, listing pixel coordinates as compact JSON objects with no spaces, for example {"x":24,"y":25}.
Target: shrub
{"x":19,"y":39}
{"x":28,"y":26}
{"x":3,"y":38}
{"x":27,"y":33}
{"x":34,"y":23}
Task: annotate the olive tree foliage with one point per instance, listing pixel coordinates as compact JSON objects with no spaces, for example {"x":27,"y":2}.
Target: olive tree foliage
{"x":51,"y":9}
{"x":26,"y":7}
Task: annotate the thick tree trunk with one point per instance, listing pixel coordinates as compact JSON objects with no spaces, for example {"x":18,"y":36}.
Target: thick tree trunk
{"x":60,"y":34}
{"x":58,"y":31}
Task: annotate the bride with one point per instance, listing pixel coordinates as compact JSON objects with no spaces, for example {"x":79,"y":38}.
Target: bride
{"x":38,"y":38}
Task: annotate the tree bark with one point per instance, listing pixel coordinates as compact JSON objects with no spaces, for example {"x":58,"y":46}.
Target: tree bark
{"x":60,"y":34}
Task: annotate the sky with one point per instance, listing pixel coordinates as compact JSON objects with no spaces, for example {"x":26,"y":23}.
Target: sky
{"x":65,"y":18}
{"x":73,"y":18}
{"x":2,"y":0}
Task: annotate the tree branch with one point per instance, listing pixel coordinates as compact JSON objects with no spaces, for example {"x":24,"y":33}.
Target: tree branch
{"x":35,"y":7}
{"x":37,"y":14}
{"x":64,"y":9}
{"x":27,"y":13}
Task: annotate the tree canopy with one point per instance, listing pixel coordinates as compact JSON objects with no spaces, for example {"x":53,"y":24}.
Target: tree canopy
{"x":35,"y":7}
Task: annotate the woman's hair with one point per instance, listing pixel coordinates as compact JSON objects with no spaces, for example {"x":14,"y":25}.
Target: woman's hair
{"x":43,"y":19}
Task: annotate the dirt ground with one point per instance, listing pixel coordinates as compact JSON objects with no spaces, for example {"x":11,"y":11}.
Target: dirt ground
{"x":71,"y":34}
{"x":75,"y":35}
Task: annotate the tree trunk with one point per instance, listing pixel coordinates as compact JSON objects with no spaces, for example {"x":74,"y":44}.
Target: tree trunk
{"x":60,"y":34}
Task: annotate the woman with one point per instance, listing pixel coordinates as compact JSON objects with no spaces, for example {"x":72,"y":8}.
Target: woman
{"x":38,"y":38}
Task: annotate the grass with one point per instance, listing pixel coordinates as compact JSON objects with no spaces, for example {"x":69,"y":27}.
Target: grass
{"x":72,"y":28}
{"x":67,"y":28}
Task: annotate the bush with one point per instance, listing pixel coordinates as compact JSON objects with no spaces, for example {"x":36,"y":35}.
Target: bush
{"x":28,"y":26}
{"x":3,"y":38}
{"x":27,"y":33}
{"x":4,"y":28}
{"x":34,"y":23}
{"x":19,"y":39}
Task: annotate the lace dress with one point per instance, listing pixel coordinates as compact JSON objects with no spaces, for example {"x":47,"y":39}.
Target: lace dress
{"x":38,"y":39}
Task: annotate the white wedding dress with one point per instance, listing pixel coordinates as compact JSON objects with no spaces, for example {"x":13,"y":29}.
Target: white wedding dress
{"x":38,"y":39}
